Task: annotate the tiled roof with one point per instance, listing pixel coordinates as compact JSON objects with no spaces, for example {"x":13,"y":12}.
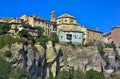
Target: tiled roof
{"x":66,"y":16}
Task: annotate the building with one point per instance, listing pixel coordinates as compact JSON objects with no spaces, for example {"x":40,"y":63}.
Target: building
{"x":93,"y":35}
{"x":49,"y":27}
{"x":107,"y":38}
{"x":73,"y":34}
{"x":115,"y":34}
{"x":69,"y":30}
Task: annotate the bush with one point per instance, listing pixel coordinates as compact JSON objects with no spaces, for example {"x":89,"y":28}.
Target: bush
{"x":23,"y":33}
{"x":5,"y":69}
{"x":54,"y":40}
{"x":4,"y":27}
{"x":6,"y":40}
{"x":43,"y":41}
{"x":111,"y":45}
{"x":100,"y":46}
{"x":8,"y":54}
{"x":91,"y":74}
{"x":89,"y":44}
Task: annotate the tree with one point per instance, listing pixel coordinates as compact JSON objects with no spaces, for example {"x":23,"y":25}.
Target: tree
{"x":4,"y":27}
{"x":43,"y":41}
{"x":54,"y":40}
{"x":23,"y":33}
{"x":91,"y":74}
{"x":39,"y":29}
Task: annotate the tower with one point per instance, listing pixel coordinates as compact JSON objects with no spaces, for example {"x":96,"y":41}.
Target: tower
{"x":53,"y":16}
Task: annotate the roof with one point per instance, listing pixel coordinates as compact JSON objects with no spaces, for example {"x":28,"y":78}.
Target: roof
{"x":66,"y":16}
{"x":70,"y":28}
{"x":94,"y":30}
{"x":115,"y":27}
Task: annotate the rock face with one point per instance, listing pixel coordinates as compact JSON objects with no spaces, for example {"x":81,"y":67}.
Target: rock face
{"x":112,"y":64}
{"x":118,"y":51}
{"x":84,"y":58}
{"x":24,"y":55}
{"x":39,"y":61}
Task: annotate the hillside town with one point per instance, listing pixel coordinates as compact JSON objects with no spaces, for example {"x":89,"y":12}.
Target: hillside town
{"x":78,"y":48}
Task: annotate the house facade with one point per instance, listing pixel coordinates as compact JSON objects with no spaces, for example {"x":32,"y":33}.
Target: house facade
{"x":71,"y":36}
{"x":107,"y":38}
{"x":93,"y":35}
{"x":35,"y":21}
{"x":115,"y":34}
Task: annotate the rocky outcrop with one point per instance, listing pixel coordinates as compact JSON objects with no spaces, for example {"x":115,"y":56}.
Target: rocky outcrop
{"x":39,"y":61}
{"x":112,"y":65}
{"x":84,"y":58}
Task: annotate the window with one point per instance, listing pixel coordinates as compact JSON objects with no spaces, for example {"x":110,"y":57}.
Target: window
{"x":59,"y":21}
{"x":75,"y":36}
{"x":61,"y":36}
{"x":65,"y":20}
{"x":71,"y":20}
{"x":69,"y":36}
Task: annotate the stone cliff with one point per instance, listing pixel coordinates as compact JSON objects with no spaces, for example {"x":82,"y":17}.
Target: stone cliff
{"x":39,"y":61}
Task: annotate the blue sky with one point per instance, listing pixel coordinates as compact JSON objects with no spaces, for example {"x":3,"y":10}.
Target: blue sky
{"x":104,"y":14}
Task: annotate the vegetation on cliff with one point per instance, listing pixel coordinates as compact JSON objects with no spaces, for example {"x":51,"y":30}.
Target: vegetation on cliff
{"x":6,"y":40}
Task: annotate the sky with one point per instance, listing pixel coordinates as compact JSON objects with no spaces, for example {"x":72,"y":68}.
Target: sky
{"x":101,"y":14}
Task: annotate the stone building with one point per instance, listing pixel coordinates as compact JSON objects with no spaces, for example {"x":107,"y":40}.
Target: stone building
{"x":69,"y":30}
{"x":107,"y":38}
{"x":93,"y":35}
{"x":35,"y":21}
{"x":115,"y":34}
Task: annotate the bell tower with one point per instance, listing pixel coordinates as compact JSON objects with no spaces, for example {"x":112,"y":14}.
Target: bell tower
{"x":53,"y":16}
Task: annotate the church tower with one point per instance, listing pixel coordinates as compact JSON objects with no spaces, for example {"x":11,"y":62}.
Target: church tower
{"x":53,"y":16}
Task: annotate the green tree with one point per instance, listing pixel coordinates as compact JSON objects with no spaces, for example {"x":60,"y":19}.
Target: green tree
{"x":43,"y":41}
{"x":39,"y":29}
{"x":54,"y":40}
{"x":4,"y":27}
{"x":91,"y":74}
{"x":23,"y":33}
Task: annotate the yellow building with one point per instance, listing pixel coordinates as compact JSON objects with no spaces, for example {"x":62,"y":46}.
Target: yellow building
{"x":35,"y":21}
{"x":68,"y":22}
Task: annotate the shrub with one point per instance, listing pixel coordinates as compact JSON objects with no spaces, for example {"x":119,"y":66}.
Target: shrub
{"x":8,"y":54}
{"x":111,"y":45}
{"x":6,"y":40}
{"x":89,"y":44}
{"x":100,"y":46}
{"x":5,"y":69}
{"x":91,"y":74}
